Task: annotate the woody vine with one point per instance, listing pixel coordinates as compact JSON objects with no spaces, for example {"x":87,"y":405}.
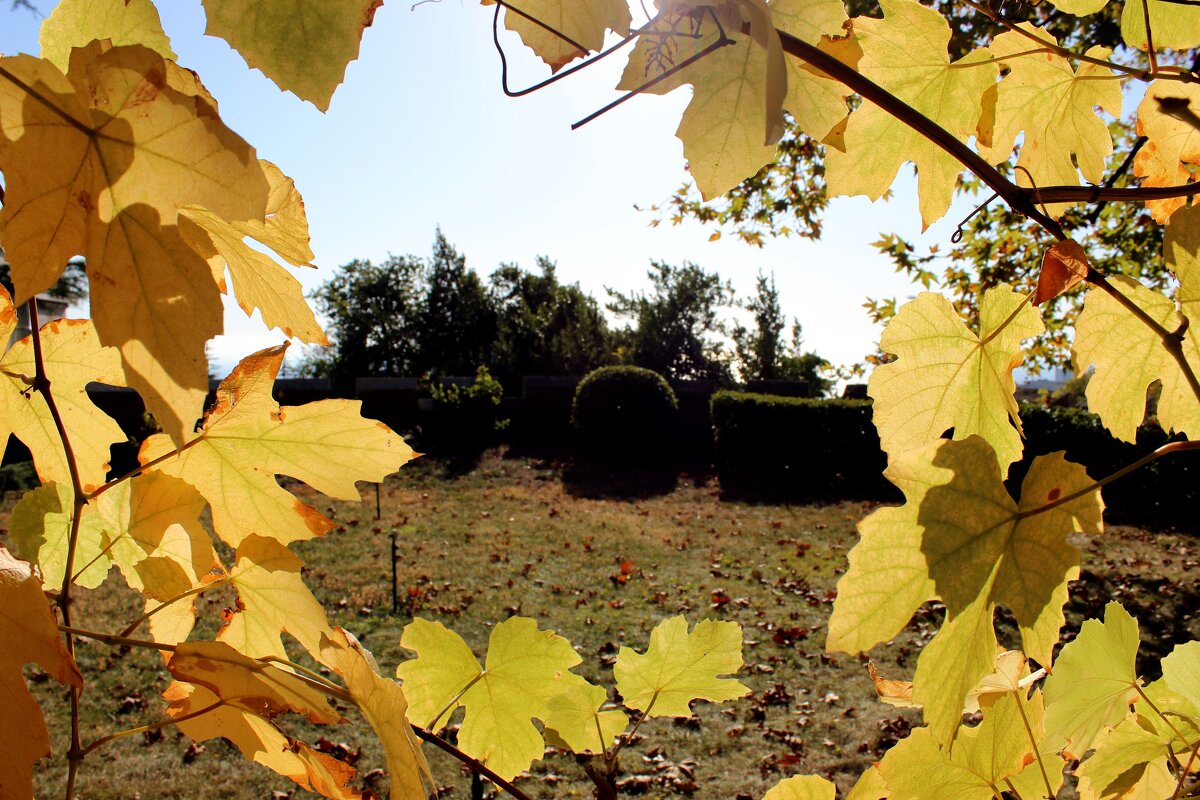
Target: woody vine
{"x":110,"y":150}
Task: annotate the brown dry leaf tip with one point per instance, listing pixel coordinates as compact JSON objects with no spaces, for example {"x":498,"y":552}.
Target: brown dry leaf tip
{"x":893,"y":692}
{"x":1064,"y":265}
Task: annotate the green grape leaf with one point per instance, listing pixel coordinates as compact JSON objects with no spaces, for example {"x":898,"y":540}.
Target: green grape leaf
{"x":583,"y":22}
{"x":1181,"y":672}
{"x":247,"y":438}
{"x":258,"y":740}
{"x":304,"y":46}
{"x":1055,"y":107}
{"x":115,"y":148}
{"x":960,"y":538}
{"x":76,"y":23}
{"x":272,"y":598}
{"x":576,"y":721}
{"x":41,"y":528}
{"x":730,"y":127}
{"x":982,"y":759}
{"x":1122,"y":750}
{"x":1128,"y":356}
{"x":383,"y":703}
{"x":1172,"y":148}
{"x":30,"y":634}
{"x":258,"y":281}
{"x":679,"y":667}
{"x":526,"y":668}
{"x":1173,"y":25}
{"x":1093,"y":682}
{"x":946,"y":376}
{"x":802,"y":787}
{"x":905,"y":53}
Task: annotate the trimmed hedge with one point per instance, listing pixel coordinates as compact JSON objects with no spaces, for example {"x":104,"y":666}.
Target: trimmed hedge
{"x":627,"y":415}
{"x":795,"y":449}
{"x":782,"y":448}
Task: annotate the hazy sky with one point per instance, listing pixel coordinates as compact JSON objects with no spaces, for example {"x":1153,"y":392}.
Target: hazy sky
{"x":421,"y":135}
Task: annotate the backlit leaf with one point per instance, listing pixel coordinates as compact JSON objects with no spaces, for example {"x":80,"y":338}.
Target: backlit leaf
{"x":1064,"y":266}
{"x":802,"y":787}
{"x":1055,"y":106}
{"x":272,"y":599}
{"x":905,"y":53}
{"x":1174,"y":25}
{"x":526,"y":668}
{"x":303,"y":46}
{"x":1172,"y":144}
{"x":962,"y":539}
{"x":1093,"y":682}
{"x":258,"y":740}
{"x":76,"y":23}
{"x":41,"y":528}
{"x":681,"y":666}
{"x":115,"y":148}
{"x":583,"y":22}
{"x":247,"y":439}
{"x":576,"y":720}
{"x":945,"y":376}
{"x":735,"y":117}
{"x":1124,"y":749}
{"x":1181,"y":671}
{"x":30,"y":634}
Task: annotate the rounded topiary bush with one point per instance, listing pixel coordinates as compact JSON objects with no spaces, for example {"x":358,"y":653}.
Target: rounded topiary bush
{"x":625,"y":414}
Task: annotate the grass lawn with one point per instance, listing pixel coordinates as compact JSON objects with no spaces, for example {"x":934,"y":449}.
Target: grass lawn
{"x":507,"y":538}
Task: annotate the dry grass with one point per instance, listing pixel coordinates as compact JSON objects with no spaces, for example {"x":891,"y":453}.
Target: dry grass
{"x":507,"y":538}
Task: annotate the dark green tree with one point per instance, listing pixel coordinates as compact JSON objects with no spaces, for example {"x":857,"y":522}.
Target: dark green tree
{"x":761,"y":351}
{"x":544,"y":327}
{"x":677,"y":329}
{"x":373,"y":311}
{"x":456,"y":329}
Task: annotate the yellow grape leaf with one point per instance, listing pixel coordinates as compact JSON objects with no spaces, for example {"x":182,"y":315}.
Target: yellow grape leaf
{"x":945,"y":376}
{"x":272,"y":598}
{"x":30,"y":634}
{"x":1122,"y":750}
{"x":816,"y":102}
{"x":1011,"y":675}
{"x":1055,"y":107}
{"x":247,"y":439}
{"x":1173,"y":25}
{"x":73,"y":358}
{"x":258,"y":740}
{"x":1172,"y":144}
{"x":1181,"y":246}
{"x":76,"y":23}
{"x":525,"y":669}
{"x":254,"y":686}
{"x":1080,"y":8}
{"x":258,"y":281}
{"x":1181,"y":671}
{"x":905,"y":53}
{"x":962,"y":539}
{"x":870,"y":786}
{"x":679,"y":667}
{"x":802,"y":787}
{"x":151,"y":526}
{"x":41,"y":528}
{"x":730,"y":127}
{"x":582,"y":22}
{"x":115,"y":149}
{"x":304,"y":46}
{"x":383,"y":703}
{"x":1093,"y":682}
{"x":982,"y":759}
{"x":1128,"y":356}
{"x":576,"y":721}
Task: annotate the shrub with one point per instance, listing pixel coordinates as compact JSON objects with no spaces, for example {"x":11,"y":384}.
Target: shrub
{"x":771,"y":447}
{"x":468,"y":415}
{"x":626,"y":414}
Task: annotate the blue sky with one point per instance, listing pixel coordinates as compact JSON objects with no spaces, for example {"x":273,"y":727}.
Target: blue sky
{"x":421,"y":135}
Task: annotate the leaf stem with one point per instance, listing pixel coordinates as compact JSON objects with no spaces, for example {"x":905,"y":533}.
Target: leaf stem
{"x":454,"y":700}
{"x":109,"y":638}
{"x":475,"y":765}
{"x":133,"y":473}
{"x":1183,"y":773}
{"x":133,"y":626}
{"x":305,"y":672}
{"x":103,"y":740}
{"x":1138,"y":687}
{"x":1036,"y":750}
{"x":1165,"y":450}
{"x":627,"y":738}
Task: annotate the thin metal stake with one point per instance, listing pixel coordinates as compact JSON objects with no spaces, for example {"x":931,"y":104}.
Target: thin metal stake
{"x":378,"y":514}
{"x":395,"y":554}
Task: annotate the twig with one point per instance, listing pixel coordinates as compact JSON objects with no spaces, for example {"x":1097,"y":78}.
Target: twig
{"x":103,"y":740}
{"x":474,"y":764}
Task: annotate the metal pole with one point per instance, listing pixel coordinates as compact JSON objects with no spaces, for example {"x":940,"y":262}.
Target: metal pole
{"x":377,"y":512}
{"x":395,"y":553}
